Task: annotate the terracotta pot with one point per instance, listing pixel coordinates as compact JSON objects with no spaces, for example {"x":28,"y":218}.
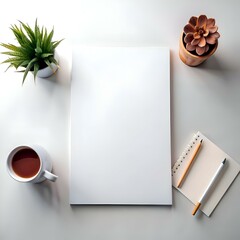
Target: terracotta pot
{"x":192,"y":59}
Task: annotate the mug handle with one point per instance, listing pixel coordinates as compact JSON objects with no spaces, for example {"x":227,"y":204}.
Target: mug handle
{"x":50,"y":176}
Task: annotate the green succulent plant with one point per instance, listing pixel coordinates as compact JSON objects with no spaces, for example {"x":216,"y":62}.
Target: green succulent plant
{"x":35,"y":51}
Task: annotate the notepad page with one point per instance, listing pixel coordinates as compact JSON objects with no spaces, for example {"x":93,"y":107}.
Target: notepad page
{"x":120,"y":126}
{"x":202,"y":170}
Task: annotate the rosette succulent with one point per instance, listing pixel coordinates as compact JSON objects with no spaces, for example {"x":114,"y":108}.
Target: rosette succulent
{"x":200,"y":34}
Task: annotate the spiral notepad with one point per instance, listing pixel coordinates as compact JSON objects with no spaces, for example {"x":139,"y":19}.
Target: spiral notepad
{"x":201,"y":171}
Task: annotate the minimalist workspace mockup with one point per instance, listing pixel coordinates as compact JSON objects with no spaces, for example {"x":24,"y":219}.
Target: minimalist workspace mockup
{"x":135,"y":133}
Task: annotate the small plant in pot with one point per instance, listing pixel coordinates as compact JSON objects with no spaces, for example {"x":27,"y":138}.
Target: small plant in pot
{"x":199,"y":40}
{"x":35,"y":53}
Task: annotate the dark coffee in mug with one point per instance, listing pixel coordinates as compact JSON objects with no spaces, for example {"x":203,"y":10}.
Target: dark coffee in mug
{"x":26,"y":163}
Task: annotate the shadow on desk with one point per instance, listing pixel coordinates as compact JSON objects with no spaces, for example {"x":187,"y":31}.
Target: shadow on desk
{"x":219,"y":67}
{"x":47,"y":193}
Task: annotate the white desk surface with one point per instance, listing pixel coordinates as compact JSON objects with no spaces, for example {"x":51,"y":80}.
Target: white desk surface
{"x":205,"y":98}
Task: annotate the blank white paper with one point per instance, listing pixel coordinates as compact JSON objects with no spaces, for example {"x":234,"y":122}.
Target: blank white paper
{"x":120,"y":126}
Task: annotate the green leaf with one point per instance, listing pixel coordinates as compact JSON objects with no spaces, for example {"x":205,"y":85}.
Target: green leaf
{"x":56,"y":43}
{"x":29,"y":31}
{"x":53,"y":60}
{"x":16,"y":54}
{"x":11,"y":60}
{"x":28,"y":68}
{"x":22,"y":63}
{"x":48,"y":62}
{"x":36,"y":68}
{"x":38,"y":49}
{"x":46,"y":55}
{"x":10,"y":46}
{"x":48,"y":45}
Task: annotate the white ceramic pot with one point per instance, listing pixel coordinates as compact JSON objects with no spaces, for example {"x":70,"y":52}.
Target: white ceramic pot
{"x":47,"y":71}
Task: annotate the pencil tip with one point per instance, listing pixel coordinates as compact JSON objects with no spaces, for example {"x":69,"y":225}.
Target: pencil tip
{"x":201,"y":141}
{"x":224,"y":161}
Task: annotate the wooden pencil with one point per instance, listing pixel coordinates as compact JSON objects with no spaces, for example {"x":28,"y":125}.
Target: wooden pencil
{"x":189,"y":164}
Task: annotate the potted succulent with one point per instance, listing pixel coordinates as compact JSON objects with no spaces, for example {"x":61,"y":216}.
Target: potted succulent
{"x":35,"y":53}
{"x":199,"y":40}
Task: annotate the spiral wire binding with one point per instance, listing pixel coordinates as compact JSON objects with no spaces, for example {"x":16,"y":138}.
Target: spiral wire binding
{"x":185,"y":153}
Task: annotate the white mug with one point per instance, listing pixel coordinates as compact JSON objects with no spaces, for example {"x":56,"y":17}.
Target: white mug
{"x":30,"y":164}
